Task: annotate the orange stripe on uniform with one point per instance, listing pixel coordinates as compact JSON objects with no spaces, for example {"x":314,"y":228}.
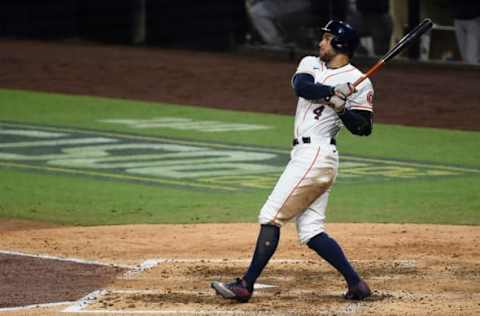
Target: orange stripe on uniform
{"x":337,"y":74}
{"x":296,"y":186}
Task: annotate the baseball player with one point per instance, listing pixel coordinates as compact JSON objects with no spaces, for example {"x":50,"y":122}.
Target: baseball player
{"x":327,"y":101}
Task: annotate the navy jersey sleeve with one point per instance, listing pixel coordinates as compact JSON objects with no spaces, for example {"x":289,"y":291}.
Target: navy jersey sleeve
{"x":358,"y":122}
{"x":305,"y":87}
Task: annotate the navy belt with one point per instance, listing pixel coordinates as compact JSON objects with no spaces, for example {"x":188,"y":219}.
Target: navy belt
{"x":308,"y":140}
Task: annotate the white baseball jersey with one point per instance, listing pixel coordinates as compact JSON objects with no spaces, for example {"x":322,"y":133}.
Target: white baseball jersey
{"x":302,"y":191}
{"x":315,"y":118}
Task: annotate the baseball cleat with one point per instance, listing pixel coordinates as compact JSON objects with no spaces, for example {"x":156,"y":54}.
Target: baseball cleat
{"x":358,"y":292}
{"x":236,"y":290}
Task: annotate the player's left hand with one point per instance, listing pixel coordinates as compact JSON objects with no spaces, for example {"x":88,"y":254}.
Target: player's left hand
{"x":337,"y":103}
{"x":344,"y":89}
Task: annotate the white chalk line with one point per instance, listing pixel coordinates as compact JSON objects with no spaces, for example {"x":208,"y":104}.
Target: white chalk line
{"x":146,"y":265}
{"x":150,"y":263}
{"x":350,"y":309}
{"x":401,"y":263}
{"x":65,"y":259}
{"x":43,"y":305}
{"x":208,"y":292}
{"x":289,"y":292}
{"x":84,"y":301}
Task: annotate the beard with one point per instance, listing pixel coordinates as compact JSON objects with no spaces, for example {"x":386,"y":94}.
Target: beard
{"x":325,"y":58}
{"x":327,"y":55}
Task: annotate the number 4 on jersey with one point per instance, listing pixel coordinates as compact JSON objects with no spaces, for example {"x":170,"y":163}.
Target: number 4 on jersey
{"x":318,"y":111}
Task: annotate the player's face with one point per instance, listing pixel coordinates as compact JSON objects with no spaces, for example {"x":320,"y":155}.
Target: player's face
{"x":326,"y":51}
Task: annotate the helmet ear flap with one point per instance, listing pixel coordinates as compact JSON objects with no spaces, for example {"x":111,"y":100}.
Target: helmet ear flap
{"x":338,"y":45}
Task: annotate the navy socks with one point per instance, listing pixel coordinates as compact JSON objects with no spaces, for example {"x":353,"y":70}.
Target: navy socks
{"x":267,"y":243}
{"x":324,"y":246}
{"x":328,"y":249}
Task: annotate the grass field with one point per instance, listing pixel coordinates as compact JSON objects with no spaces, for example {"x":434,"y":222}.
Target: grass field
{"x":398,"y":175}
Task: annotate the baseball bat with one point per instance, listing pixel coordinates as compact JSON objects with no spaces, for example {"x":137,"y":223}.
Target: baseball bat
{"x":407,"y":40}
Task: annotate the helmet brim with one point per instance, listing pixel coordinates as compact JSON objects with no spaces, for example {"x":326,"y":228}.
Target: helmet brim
{"x":326,"y":30}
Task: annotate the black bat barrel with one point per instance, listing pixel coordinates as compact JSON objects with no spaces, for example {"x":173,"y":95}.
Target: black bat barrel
{"x":408,"y":39}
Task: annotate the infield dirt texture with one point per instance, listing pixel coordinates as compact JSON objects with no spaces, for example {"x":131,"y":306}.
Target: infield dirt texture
{"x":60,"y":251}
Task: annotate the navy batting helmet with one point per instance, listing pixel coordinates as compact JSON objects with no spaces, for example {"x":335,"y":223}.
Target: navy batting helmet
{"x":345,"y":38}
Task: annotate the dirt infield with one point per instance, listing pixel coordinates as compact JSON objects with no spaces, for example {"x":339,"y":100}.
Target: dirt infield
{"x":49,"y":280}
{"x":413,"y":269}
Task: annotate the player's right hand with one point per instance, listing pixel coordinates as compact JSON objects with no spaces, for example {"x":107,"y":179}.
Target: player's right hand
{"x":337,"y":103}
{"x":344,"y":89}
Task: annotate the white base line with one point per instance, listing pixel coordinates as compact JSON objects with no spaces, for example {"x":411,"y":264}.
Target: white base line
{"x":205,"y":292}
{"x":348,"y":310}
{"x":208,"y":293}
{"x":45,"y":305}
{"x":84,"y":302}
{"x":150,"y":263}
{"x":65,"y":259}
{"x":246,"y":260}
{"x":146,"y":265}
{"x":176,"y":312}
{"x":156,"y":261}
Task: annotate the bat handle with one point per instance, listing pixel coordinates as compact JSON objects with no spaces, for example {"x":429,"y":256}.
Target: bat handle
{"x":370,"y":72}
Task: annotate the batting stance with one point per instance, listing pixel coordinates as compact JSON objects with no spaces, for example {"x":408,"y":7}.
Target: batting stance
{"x":327,"y":100}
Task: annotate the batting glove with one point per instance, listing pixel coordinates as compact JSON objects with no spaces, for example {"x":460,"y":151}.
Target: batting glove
{"x":337,"y":103}
{"x":344,"y":89}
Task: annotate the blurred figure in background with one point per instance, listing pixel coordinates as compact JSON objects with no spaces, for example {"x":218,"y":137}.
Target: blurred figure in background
{"x":274,"y":19}
{"x":263,"y":19}
{"x":373,"y":21}
{"x":466,"y":15}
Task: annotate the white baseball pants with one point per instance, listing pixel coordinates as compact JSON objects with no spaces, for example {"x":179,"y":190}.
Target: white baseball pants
{"x":302,"y":190}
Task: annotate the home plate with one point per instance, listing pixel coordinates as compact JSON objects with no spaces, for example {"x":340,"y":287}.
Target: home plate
{"x":263,"y":286}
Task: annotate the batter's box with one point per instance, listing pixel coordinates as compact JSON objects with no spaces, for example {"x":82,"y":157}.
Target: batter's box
{"x":287,"y":287}
{"x":295,"y":287}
